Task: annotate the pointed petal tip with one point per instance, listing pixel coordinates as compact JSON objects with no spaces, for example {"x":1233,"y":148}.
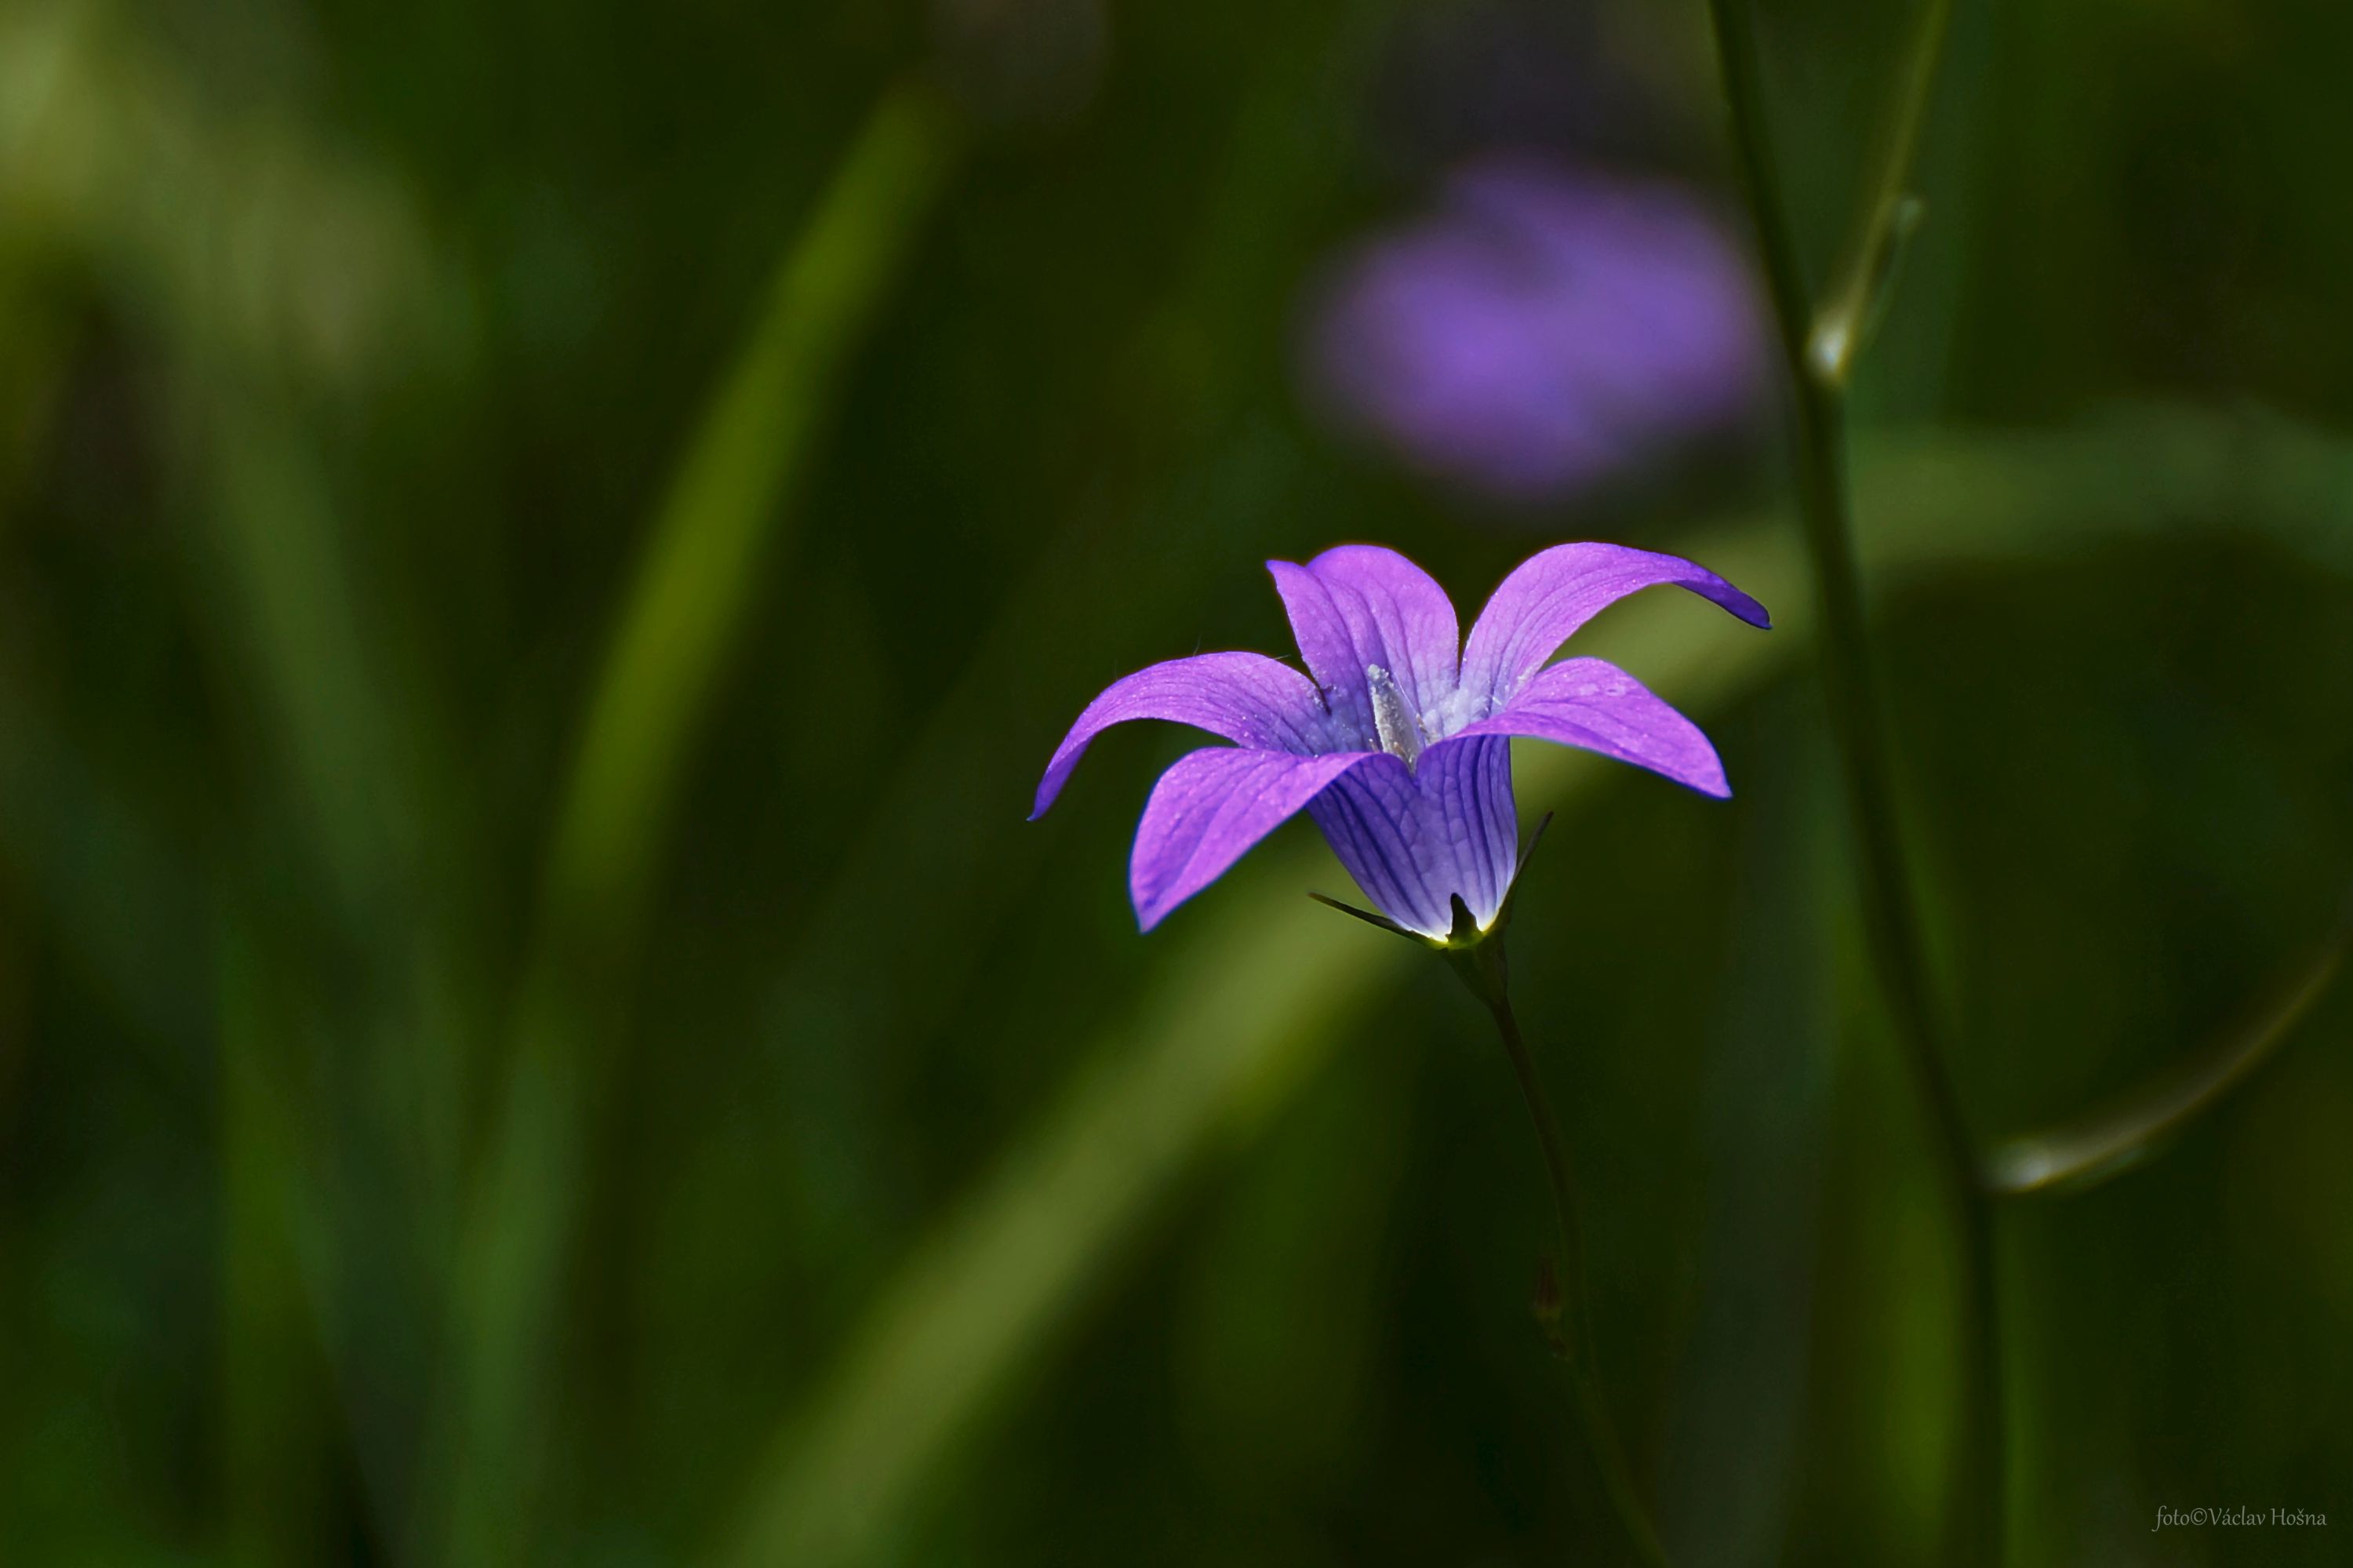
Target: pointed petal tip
{"x":1150,"y":909}
{"x":1546,"y":599}
{"x":1714,"y":785}
{"x":1153,"y":911}
{"x":1741,"y":603}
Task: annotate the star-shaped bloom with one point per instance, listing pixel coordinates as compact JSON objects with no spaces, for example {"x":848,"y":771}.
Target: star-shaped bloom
{"x":1399,"y":747}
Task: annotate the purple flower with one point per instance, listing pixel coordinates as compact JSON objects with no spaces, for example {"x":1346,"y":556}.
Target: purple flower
{"x":1400,"y":746}
{"x":1543,"y":329}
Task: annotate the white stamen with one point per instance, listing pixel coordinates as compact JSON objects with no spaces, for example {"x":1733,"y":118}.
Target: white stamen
{"x":1400,"y":732}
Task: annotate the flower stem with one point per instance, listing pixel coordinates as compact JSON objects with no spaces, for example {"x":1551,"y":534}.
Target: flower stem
{"x":1897,"y":947}
{"x":1484,"y":968}
{"x":1884,"y":214}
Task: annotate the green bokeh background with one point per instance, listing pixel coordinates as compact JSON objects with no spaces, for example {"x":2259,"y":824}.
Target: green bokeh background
{"x":542,"y":549}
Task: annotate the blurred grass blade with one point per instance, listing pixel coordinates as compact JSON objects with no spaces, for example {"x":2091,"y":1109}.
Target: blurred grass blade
{"x":719,"y":525}
{"x":1733,"y":1440}
{"x":1259,"y":1001}
{"x":2089,"y":1150}
{"x":702,"y":564}
{"x":921,"y":864}
{"x":277,"y":1408}
{"x":288,"y":614}
{"x":1248,"y":1010}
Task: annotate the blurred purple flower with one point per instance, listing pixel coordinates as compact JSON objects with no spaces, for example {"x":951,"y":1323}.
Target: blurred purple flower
{"x":1399,"y":747}
{"x":1545,"y":328}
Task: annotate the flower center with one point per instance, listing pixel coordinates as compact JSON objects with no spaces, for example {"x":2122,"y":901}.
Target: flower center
{"x":1399,"y":731}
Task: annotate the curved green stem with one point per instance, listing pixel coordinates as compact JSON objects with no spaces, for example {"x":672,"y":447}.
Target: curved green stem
{"x":1897,"y":947}
{"x":1886,"y":213}
{"x":2087,"y":1150}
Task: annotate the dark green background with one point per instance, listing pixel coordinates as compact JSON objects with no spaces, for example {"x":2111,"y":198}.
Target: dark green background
{"x":438,"y":1124}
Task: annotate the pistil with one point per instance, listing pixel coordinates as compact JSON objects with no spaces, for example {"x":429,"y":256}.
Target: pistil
{"x":1400,"y":732}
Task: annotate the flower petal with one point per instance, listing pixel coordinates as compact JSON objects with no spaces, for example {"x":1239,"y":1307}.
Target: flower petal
{"x":1554,"y":592}
{"x":1373,"y":820}
{"x":1592,"y":704}
{"x":1360,"y":606}
{"x":1468,"y":785}
{"x":1248,"y":698}
{"x":1211,"y":807}
{"x":1414,"y":839}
